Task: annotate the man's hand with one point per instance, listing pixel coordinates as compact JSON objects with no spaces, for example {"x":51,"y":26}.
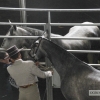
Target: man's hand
{"x":52,"y":71}
{"x":37,"y":63}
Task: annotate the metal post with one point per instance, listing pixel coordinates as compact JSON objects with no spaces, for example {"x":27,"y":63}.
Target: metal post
{"x":49,"y":82}
{"x":22,"y":4}
{"x":47,"y":28}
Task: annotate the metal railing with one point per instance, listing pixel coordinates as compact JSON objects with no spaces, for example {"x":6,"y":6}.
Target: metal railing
{"x":54,"y":24}
{"x":51,"y":10}
{"x":51,"y":24}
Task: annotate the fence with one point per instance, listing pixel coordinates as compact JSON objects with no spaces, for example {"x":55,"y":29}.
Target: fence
{"x":48,"y":27}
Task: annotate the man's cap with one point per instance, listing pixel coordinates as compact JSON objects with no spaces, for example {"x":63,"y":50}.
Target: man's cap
{"x":13,"y":50}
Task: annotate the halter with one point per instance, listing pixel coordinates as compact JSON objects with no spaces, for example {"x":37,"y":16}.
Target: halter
{"x":35,"y":48}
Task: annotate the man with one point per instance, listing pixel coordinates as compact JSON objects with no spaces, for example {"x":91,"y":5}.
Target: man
{"x":6,"y":81}
{"x":25,"y":74}
{"x":5,"y":89}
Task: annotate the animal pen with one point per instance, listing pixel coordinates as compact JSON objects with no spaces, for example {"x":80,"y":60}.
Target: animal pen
{"x":50,"y":83}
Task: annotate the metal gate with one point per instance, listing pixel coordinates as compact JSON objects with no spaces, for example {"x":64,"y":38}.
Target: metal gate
{"x":47,"y":26}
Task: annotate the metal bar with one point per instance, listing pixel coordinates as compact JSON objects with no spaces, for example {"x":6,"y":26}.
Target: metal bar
{"x":51,"y":10}
{"x":72,"y":51}
{"x":49,"y":27}
{"x":48,"y":63}
{"x":94,"y":65}
{"x":88,"y":64}
{"x":49,"y":82}
{"x":74,"y":24}
{"x":77,"y":38}
{"x":84,"y":51}
{"x":51,"y":24}
{"x":22,"y":4}
{"x":34,"y":37}
{"x":68,"y":38}
{"x":75,"y":51}
{"x":35,"y":24}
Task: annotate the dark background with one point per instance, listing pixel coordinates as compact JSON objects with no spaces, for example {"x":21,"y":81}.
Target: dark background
{"x":56,"y":17}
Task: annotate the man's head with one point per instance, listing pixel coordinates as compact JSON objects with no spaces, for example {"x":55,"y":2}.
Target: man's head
{"x":4,"y":57}
{"x":14,"y":53}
